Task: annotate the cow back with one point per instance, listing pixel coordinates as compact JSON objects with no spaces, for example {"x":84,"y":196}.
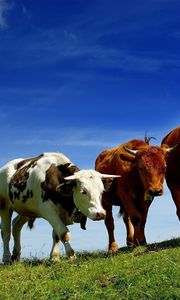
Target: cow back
{"x":112,"y":161}
{"x":173,"y":158}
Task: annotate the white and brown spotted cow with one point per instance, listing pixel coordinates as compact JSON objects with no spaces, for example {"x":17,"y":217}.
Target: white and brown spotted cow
{"x":49,"y":186}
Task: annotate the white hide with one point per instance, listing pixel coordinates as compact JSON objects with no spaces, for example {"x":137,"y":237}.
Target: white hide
{"x":87,"y":195}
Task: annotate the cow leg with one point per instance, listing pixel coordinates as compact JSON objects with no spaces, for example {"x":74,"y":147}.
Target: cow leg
{"x":66,"y":241}
{"x":59,"y":228}
{"x":175,"y":192}
{"x":55,"y":254}
{"x":109,"y":222}
{"x":139,"y":222}
{"x":6,"y":234}
{"x":139,"y":235}
{"x":129,"y":229}
{"x":17,"y":225}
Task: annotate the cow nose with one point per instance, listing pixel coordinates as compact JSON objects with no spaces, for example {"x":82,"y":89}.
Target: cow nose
{"x":100,"y":216}
{"x":155,"y":192}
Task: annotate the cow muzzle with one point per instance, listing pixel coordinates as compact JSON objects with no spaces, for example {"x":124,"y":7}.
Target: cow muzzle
{"x":155,"y":192}
{"x":151,"y":193}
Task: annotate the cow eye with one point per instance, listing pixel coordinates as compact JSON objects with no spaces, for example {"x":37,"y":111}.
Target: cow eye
{"x":84,"y":192}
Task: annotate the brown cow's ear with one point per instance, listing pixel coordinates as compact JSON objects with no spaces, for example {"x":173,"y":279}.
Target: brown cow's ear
{"x":127,"y":157}
{"x":164,"y":146}
{"x":107,"y":183}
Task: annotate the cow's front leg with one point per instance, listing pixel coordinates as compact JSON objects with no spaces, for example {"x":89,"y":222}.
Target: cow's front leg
{"x":6,"y":234}
{"x":109,"y":222}
{"x":66,"y":241}
{"x":17,"y":225}
{"x":55,"y":253}
{"x":139,"y":234}
{"x":60,"y":232}
{"x":139,"y":223}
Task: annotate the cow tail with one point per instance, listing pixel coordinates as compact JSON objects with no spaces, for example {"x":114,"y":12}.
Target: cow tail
{"x":31,"y":222}
{"x":121,"y":211}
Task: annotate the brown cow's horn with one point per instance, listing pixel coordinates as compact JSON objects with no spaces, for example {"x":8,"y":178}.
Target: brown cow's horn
{"x":131,"y":151}
{"x":173,"y":148}
{"x":106,"y":176}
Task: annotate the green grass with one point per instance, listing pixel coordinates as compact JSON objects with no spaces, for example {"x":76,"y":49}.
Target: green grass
{"x":148,"y":272}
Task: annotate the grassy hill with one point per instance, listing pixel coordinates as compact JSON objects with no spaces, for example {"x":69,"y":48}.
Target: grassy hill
{"x":148,"y":272}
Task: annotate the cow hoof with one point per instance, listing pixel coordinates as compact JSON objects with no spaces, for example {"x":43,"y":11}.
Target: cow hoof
{"x":7,"y":261}
{"x":130,"y":244}
{"x":113,"y":249}
{"x":15,"y":258}
{"x":72,"y":257}
{"x":139,"y":243}
{"x":55,"y":259}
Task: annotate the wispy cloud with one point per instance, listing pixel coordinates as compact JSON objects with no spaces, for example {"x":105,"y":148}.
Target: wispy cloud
{"x":5,"y":6}
{"x":81,"y":137}
{"x":49,"y":47}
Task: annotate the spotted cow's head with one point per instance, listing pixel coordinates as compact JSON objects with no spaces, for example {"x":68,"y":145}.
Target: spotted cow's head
{"x":87,"y":191}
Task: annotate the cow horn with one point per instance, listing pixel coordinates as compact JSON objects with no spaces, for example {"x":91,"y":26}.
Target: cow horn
{"x":131,"y":151}
{"x":71,"y":177}
{"x":104,"y":176}
{"x":169,"y":150}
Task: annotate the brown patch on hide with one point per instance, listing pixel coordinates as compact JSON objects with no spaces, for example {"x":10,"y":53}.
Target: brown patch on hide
{"x":20,"y":177}
{"x":54,"y":177}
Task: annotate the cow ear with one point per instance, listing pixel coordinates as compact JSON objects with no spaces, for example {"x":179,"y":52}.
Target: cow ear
{"x":107,"y":183}
{"x":65,"y":189}
{"x":127,"y":157}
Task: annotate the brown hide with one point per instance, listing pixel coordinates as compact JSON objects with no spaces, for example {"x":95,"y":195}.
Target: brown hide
{"x":142,"y":179}
{"x":173,"y":166}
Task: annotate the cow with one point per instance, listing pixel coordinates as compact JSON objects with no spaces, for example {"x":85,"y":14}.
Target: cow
{"x":49,"y":186}
{"x":173,"y":166}
{"x":142,"y":168}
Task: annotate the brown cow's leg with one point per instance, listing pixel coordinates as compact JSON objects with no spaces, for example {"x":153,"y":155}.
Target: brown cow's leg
{"x":139,"y":224}
{"x":139,"y":235}
{"x":175,"y":192}
{"x":109,"y":222}
{"x":129,"y":229}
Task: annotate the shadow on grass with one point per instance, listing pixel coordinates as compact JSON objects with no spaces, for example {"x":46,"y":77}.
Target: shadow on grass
{"x":173,"y":243}
{"x":86,"y":256}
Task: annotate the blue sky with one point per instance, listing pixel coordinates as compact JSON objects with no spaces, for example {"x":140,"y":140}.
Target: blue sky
{"x":80,"y":76}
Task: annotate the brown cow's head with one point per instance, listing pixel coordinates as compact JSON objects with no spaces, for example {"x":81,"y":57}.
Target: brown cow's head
{"x":151,"y":166}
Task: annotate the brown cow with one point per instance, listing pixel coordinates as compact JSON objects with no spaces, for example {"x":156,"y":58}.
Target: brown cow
{"x":142,"y":168}
{"x":173,"y":166}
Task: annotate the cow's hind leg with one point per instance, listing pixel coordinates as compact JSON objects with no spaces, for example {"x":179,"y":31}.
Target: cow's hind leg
{"x":175,"y":192}
{"x":129,"y":229}
{"x":6,"y":234}
{"x":17,"y":225}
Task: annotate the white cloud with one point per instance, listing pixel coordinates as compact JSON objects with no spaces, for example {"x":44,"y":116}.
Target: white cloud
{"x":4,"y":7}
{"x":78,"y":137}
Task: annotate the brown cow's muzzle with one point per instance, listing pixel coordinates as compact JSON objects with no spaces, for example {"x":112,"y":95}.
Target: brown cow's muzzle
{"x":156,"y":192}
{"x":151,"y":193}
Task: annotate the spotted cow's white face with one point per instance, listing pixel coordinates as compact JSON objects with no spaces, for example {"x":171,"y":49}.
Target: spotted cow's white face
{"x":88,"y":193}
